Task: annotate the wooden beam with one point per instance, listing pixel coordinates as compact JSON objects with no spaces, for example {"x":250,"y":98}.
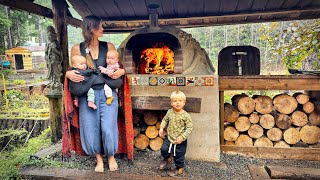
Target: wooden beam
{"x":273,"y":82}
{"x":33,"y":8}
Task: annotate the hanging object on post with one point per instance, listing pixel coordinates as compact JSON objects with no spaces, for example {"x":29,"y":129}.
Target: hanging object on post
{"x":239,"y":60}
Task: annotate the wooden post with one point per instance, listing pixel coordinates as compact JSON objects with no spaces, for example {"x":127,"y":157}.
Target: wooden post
{"x":59,"y":10}
{"x":55,"y":107}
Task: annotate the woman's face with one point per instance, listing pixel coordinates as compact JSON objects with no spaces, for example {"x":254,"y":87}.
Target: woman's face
{"x":99,"y":31}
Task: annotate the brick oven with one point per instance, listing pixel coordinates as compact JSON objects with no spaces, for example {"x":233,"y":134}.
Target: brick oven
{"x":160,"y":60}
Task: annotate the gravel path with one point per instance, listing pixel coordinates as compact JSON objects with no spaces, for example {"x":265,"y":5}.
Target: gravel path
{"x":231,"y":166}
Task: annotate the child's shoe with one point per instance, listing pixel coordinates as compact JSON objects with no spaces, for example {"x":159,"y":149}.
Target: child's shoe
{"x":165,"y":162}
{"x":175,"y":172}
{"x":109,"y":100}
{"x":92,"y":105}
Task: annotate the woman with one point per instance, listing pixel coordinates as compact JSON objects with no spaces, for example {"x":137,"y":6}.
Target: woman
{"x":98,"y":128}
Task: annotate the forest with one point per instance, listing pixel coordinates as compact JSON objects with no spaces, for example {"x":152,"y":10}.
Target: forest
{"x":282,"y":45}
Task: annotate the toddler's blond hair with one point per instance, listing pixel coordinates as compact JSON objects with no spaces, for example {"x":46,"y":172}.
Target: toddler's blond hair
{"x":178,"y":94}
{"x":75,"y":59}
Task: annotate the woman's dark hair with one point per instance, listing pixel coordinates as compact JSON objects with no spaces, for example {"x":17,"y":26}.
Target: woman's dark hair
{"x":88,"y":24}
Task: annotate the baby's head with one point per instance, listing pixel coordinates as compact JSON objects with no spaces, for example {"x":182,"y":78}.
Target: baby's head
{"x":78,"y":62}
{"x":112,"y":57}
{"x":178,"y":100}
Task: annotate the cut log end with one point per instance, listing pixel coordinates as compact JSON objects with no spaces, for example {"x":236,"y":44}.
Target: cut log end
{"x":156,"y":143}
{"x":285,"y":104}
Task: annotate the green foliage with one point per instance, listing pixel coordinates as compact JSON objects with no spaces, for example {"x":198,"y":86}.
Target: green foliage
{"x":7,"y":73}
{"x":15,"y":94}
{"x":11,"y":161}
{"x":19,"y":81}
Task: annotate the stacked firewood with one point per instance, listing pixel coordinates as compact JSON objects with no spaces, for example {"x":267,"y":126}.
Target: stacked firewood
{"x":146,"y":129}
{"x":283,"y":121}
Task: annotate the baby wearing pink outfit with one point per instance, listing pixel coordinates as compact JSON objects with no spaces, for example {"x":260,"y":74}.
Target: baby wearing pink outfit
{"x":112,"y":65}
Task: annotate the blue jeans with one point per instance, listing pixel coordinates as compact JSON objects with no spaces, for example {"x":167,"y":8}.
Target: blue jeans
{"x":99,"y":128}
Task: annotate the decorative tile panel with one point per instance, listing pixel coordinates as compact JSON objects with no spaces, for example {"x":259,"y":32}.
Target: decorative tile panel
{"x":181,"y":81}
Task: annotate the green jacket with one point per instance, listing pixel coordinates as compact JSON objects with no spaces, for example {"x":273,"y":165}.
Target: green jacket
{"x":179,"y":124}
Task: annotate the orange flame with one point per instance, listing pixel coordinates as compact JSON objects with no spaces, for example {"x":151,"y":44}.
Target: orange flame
{"x":158,"y":60}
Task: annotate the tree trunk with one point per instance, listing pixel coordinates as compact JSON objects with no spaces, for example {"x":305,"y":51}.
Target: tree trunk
{"x":244,"y":103}
{"x":299,"y":118}
{"x":274,"y":134}
{"x":231,"y":113}
{"x":255,"y":131}
{"x":141,"y":142}
{"x":254,"y":118}
{"x":263,"y":142}
{"x":314,"y":118}
{"x":308,"y":107}
{"x":301,"y":98}
{"x":244,"y":140}
{"x":150,"y":118}
{"x":291,"y":136}
{"x":242,"y":124}
{"x":281,"y":144}
{"x":285,"y":104}
{"x":152,"y":132}
{"x":230,"y":134}
{"x":267,"y":121}
{"x":263,"y":105}
{"x":310,"y":134}
{"x":156,"y":143}
{"x":283,"y":121}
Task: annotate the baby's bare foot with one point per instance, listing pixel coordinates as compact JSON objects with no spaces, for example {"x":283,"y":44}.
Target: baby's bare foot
{"x":99,"y":168}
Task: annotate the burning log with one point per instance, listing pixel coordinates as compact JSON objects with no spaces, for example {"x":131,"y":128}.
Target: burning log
{"x":285,"y":104}
{"x":255,"y":131}
{"x":156,"y":143}
{"x":274,"y":134}
{"x":263,"y":104}
{"x":231,"y":113}
{"x":310,"y":134}
{"x":267,"y":121}
{"x":141,"y":142}
{"x":254,"y":118}
{"x":230,"y":134}
{"x":291,"y":136}
{"x":263,"y":142}
{"x":152,"y":132}
{"x":244,"y":140}
{"x":299,"y":118}
{"x":242,"y":124}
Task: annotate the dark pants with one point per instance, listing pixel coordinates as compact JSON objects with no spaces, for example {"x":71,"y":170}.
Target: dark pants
{"x":180,"y":152}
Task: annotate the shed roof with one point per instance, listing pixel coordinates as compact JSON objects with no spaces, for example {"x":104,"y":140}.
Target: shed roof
{"x":128,"y":15}
{"x":26,"y":49}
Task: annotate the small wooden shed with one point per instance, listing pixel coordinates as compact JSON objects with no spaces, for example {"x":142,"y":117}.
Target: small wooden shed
{"x":25,"y":57}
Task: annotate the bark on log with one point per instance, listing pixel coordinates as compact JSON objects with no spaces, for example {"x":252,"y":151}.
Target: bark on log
{"x":150,"y":118}
{"x":156,"y":143}
{"x":141,"y":142}
{"x":244,"y":103}
{"x":263,"y":104}
{"x":230,"y":134}
{"x":314,"y":118}
{"x":255,"y":131}
{"x":308,"y":107}
{"x":263,"y":142}
{"x":231,"y":113}
{"x":274,"y":134}
{"x":281,"y":144}
{"x":283,"y":121}
{"x":285,"y":104}
{"x":291,"y":136}
{"x":310,"y":134}
{"x":229,"y":143}
{"x":267,"y":121}
{"x":244,"y":140}
{"x":254,"y":118}
{"x":301,"y":98}
{"x":136,"y":131}
{"x":152,"y":132}
{"x":242,"y":124}
{"x":299,"y":118}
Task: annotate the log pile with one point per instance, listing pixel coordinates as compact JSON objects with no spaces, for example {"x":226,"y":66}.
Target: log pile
{"x":284,"y":121}
{"x":146,"y":129}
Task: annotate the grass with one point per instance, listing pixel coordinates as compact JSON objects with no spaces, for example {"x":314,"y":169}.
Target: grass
{"x":11,"y":161}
